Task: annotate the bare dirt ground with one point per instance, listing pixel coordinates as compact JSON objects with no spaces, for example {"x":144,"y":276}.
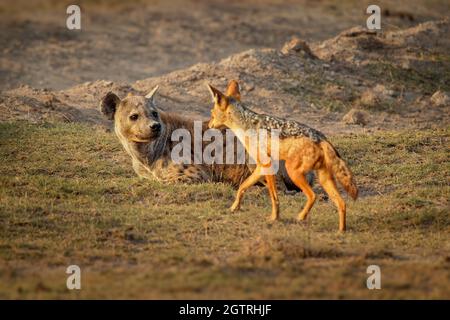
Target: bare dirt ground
{"x":125,"y":41}
{"x":383,"y":97}
{"x":49,"y":72}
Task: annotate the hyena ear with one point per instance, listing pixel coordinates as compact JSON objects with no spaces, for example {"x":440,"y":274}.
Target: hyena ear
{"x":233,"y":90}
{"x":218,"y":97}
{"x":151,"y":94}
{"x":109,"y":104}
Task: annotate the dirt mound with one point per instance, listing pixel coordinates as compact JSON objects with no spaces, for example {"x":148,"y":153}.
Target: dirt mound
{"x":77,"y":104}
{"x":355,"y":70}
{"x":361,"y":46}
{"x":123,"y":42}
{"x":36,"y":105}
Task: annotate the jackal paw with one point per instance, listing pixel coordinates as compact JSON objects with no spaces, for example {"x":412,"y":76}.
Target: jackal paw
{"x":235,"y":207}
{"x":301,"y":217}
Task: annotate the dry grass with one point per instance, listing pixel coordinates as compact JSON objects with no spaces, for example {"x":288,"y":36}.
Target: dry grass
{"x":68,"y":196}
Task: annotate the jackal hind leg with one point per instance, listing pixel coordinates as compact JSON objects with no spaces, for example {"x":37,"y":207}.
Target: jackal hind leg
{"x":297,"y":175}
{"x":329,"y":185}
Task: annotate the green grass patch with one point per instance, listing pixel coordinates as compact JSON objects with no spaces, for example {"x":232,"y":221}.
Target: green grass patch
{"x":427,"y":80}
{"x":68,"y":195}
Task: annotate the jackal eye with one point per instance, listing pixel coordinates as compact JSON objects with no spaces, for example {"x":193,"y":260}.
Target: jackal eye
{"x":155,"y":114}
{"x":134,"y":117}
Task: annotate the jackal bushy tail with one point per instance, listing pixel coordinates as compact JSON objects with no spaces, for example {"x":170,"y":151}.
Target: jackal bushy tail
{"x":339,"y":169}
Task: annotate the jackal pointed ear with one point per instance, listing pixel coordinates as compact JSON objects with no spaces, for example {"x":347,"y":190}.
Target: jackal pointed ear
{"x":233,"y":90}
{"x":218,"y":97}
{"x":151,"y":94}
{"x":109,"y":104}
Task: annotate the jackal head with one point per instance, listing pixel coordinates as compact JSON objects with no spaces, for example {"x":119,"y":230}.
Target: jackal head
{"x":221,"y":113}
{"x":136,"y":118}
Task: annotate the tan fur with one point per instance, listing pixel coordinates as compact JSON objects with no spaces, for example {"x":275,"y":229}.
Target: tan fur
{"x":340,"y":170}
{"x":233,"y":90}
{"x":302,"y":148}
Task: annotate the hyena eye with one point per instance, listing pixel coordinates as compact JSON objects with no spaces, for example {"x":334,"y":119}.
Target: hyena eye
{"x":154,"y":114}
{"x":134,"y":117}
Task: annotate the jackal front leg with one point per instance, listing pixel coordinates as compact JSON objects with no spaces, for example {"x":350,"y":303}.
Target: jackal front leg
{"x":250,"y":181}
{"x":271,"y":185}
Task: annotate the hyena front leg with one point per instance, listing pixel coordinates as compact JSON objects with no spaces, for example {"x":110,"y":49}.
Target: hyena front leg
{"x":180,"y":173}
{"x":250,"y":181}
{"x":192,"y":174}
{"x":142,"y":171}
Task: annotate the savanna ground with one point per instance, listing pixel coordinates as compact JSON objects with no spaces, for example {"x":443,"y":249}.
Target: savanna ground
{"x":76,"y":200}
{"x":68,"y":194}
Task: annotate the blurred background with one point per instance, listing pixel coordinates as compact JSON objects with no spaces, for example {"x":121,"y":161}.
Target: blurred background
{"x":130,"y":40}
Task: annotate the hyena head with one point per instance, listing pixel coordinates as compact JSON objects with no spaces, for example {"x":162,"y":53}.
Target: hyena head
{"x":222,"y":111}
{"x":136,"y":118}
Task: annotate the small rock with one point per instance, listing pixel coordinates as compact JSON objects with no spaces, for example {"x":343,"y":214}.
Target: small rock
{"x":440,"y":99}
{"x":49,"y":100}
{"x":372,"y":97}
{"x":369,"y":99}
{"x":294,"y":83}
{"x":297,"y":45}
{"x":249,"y":86}
{"x":336,"y":92}
{"x":106,"y":83}
{"x":409,"y":96}
{"x":383,"y":91}
{"x":357,"y":31}
{"x":355,"y":116}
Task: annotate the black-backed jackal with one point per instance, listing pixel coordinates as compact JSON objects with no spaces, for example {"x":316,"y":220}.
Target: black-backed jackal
{"x":302,"y":148}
